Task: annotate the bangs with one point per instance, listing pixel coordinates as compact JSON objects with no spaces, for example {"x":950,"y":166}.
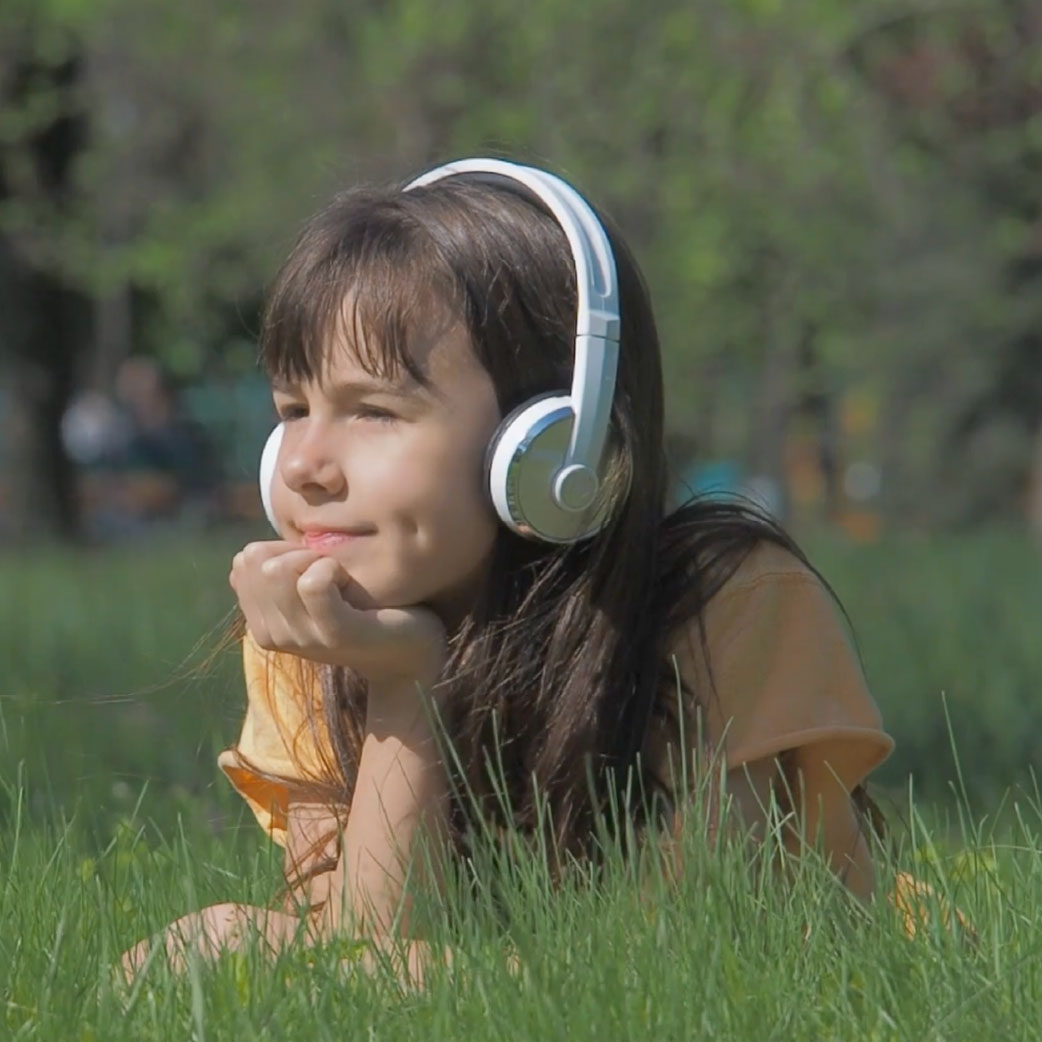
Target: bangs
{"x":364,"y":276}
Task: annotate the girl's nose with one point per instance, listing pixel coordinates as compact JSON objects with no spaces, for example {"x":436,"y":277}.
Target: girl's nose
{"x":309,"y":467}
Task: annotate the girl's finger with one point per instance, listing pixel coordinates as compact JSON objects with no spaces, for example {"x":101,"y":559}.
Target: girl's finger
{"x":265,"y":583}
{"x":253,"y":555}
{"x":252,"y":558}
{"x":292,"y":563}
{"x":278,"y":585}
{"x":320,"y":591}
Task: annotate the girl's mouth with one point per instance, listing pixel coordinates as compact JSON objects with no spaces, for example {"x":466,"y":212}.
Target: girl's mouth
{"x":327,"y":540}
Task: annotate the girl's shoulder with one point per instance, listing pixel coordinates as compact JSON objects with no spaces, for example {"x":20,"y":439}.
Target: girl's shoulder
{"x":767,"y":562}
{"x":768,"y":581}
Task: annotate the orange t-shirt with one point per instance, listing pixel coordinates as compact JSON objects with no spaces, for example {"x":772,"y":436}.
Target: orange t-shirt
{"x":284,"y":737}
{"x":786,"y":679}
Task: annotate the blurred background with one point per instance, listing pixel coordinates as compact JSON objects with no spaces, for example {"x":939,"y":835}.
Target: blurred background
{"x":838,"y":207}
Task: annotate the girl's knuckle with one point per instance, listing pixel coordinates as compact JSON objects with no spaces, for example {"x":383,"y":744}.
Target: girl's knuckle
{"x":271,"y":567}
{"x":252,"y":553}
{"x":310,"y":584}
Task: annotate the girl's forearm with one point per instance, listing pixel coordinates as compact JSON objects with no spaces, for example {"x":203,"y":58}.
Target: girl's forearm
{"x":401,"y":792}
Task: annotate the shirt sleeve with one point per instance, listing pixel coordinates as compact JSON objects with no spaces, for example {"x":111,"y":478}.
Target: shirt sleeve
{"x":783,"y":677}
{"x":277,"y":745}
{"x":782,"y":674}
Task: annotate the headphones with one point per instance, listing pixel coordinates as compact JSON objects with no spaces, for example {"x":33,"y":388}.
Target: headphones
{"x":546,"y":461}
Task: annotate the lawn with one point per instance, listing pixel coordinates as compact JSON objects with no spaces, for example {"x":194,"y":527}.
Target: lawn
{"x":115,"y":820}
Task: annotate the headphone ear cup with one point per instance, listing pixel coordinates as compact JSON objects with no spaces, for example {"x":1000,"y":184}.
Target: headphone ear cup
{"x":268,"y":463}
{"x":522,"y":461}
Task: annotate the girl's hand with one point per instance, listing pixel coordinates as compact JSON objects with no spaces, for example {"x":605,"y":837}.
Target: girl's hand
{"x":294,"y":600}
{"x":220,"y":928}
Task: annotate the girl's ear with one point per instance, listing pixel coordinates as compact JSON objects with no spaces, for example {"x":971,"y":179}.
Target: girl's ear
{"x":269,"y":462}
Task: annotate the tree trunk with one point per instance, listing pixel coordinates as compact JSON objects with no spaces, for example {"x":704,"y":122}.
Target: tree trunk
{"x":44,"y":323}
{"x":113,"y":337}
{"x":774,"y":401}
{"x":891,"y":447}
{"x":43,"y":497}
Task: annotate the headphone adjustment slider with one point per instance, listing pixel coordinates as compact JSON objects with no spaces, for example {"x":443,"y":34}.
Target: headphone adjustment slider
{"x":602,"y":325}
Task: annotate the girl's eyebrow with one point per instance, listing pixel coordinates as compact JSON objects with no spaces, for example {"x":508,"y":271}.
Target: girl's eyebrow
{"x":357,"y":388}
{"x":401,"y":388}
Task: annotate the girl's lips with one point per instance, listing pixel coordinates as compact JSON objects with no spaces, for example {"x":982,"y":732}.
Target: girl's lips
{"x":327,"y":540}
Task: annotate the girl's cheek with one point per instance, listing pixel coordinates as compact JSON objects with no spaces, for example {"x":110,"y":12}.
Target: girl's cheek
{"x":402,"y":467}
{"x":378,"y":480}
{"x":280,"y":500}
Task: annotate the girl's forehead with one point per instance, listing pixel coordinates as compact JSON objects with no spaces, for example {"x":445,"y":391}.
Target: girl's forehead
{"x":434,"y":355}
{"x":385,"y":339}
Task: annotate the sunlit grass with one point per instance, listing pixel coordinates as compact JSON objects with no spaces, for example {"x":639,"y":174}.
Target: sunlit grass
{"x":114,"y":820}
{"x":727,"y":952}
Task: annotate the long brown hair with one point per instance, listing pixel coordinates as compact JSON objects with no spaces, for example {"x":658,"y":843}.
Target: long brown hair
{"x":557,"y":669}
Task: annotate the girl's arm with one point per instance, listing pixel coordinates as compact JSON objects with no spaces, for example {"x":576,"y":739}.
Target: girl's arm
{"x":401,"y":793}
{"x":311,"y":854}
{"x":749,"y":788}
{"x":822,"y":814}
{"x":295,"y":600}
{"x":401,"y":790}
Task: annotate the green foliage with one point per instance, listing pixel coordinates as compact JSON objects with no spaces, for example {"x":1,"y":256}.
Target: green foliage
{"x":815,"y":172}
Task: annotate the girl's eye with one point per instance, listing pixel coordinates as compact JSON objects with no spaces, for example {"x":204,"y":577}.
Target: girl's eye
{"x":373,"y":412}
{"x":292,"y":412}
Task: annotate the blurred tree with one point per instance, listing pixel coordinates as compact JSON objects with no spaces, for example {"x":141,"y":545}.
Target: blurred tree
{"x":812,"y":209}
{"x":964,"y":87}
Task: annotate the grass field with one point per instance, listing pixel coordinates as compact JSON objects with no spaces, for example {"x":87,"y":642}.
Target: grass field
{"x":114,"y":820}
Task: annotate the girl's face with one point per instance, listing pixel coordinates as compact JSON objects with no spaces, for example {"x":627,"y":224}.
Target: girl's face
{"x":386,"y":475}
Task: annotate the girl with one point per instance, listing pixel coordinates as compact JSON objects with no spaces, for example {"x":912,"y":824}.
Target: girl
{"x":403,"y":328}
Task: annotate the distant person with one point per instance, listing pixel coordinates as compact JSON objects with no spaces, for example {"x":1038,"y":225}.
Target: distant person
{"x":169,"y":463}
{"x":561,"y":613}
{"x":95,"y":431}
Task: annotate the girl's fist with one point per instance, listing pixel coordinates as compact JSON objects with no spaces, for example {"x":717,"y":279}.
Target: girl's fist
{"x":295,"y":600}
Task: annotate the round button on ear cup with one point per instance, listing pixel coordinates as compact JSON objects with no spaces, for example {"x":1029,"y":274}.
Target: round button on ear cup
{"x":524,"y":462}
{"x":575,"y":486}
{"x":269,"y":461}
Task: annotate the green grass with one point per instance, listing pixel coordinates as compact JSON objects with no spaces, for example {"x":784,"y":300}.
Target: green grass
{"x":115,"y":821}
{"x":102,"y":692}
{"x":728,"y":954}
{"x":949,"y":627}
